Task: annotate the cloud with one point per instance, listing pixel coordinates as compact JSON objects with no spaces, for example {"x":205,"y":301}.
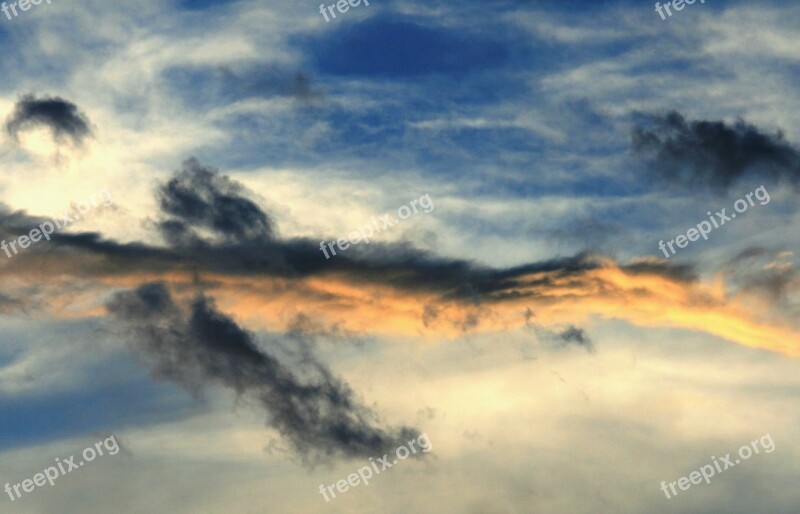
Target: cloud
{"x":198,"y":197}
{"x":378,"y":288}
{"x":679,"y":272}
{"x":61,"y":116}
{"x":576,"y":336}
{"x":562,"y":338}
{"x":587,"y":231}
{"x":204,"y":87}
{"x":770,"y":275}
{"x":197,"y":344}
{"x":208,"y":222}
{"x":9,"y":305}
{"x":713,"y":153}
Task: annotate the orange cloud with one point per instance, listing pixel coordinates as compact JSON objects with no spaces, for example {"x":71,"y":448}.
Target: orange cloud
{"x":643,"y":298}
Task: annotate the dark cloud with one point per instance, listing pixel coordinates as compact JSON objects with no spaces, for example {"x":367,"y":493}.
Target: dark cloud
{"x":751,"y":253}
{"x":576,"y":336}
{"x":569,"y":336}
{"x":10,"y":305}
{"x":266,"y":81}
{"x":198,"y":197}
{"x":713,"y":153}
{"x":196,"y":344}
{"x":206,"y":87}
{"x":61,"y":116}
{"x":674,"y":271}
{"x":212,"y":226}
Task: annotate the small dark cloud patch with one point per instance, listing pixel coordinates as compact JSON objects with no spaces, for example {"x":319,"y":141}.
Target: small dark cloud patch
{"x":568,"y":336}
{"x":9,"y":305}
{"x":196,"y":345}
{"x":62,"y":117}
{"x":574,"y":335}
{"x":713,"y":154}
{"x":199,"y":198}
{"x":589,"y":232}
{"x":529,"y":315}
{"x":674,"y":271}
{"x":205,"y":86}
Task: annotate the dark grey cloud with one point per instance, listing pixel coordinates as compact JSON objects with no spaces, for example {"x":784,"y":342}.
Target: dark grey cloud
{"x":713,"y":154}
{"x":576,"y":336}
{"x":266,"y":81}
{"x":569,"y":336}
{"x":211,"y":225}
{"x":9,"y":304}
{"x":675,"y":271}
{"x":61,"y":116}
{"x":198,"y":197}
{"x":204,"y":87}
{"x":196,"y":344}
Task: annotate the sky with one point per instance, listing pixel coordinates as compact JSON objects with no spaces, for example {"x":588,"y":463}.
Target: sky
{"x":503,"y":257}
